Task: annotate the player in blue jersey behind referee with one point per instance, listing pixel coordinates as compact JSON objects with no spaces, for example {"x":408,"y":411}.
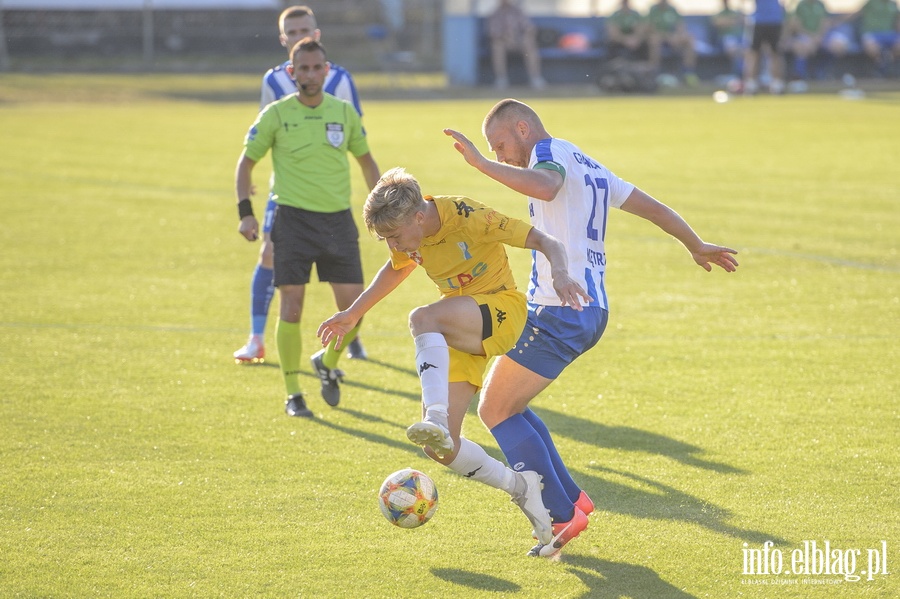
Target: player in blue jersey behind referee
{"x":294,"y":23}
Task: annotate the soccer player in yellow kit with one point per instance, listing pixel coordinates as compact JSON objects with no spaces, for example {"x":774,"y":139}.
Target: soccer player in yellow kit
{"x":460,"y":244}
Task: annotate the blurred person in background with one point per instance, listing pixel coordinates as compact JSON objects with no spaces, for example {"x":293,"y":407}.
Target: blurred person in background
{"x":764,"y":38}
{"x":510,"y":30}
{"x":729,"y":26}
{"x":879,"y":33}
{"x":666,"y":29}
{"x":811,"y":35}
{"x":626,"y":33}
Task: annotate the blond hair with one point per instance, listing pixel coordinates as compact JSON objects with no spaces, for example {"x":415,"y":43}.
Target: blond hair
{"x":393,"y":201}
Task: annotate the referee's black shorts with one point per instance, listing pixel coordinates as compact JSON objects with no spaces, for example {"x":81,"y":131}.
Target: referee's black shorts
{"x":329,"y":240}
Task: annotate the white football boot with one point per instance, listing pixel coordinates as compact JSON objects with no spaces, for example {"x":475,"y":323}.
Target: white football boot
{"x":253,"y":351}
{"x":532,"y":505}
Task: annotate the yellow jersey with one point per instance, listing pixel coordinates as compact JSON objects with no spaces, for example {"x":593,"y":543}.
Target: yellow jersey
{"x":467,"y":255}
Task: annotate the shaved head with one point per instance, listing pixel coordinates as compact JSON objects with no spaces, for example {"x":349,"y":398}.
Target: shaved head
{"x":512,"y":129}
{"x":509,"y":112}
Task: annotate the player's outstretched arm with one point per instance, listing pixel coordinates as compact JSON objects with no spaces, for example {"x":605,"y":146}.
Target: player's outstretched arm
{"x":341,"y":323}
{"x":465,"y":147}
{"x":541,"y":184}
{"x":709,"y":254}
{"x":567,"y":288}
{"x":705,"y":254}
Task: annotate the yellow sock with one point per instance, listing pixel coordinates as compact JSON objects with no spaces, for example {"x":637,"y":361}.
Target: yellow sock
{"x":331,"y":356}
{"x":290,"y":346}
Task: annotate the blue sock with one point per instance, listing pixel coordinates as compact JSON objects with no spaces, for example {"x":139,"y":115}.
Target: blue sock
{"x":800,"y":65}
{"x":261,"y":293}
{"x":571,"y":487}
{"x":524,"y":450}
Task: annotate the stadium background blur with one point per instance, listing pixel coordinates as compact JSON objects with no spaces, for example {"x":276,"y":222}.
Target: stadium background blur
{"x":241,"y":35}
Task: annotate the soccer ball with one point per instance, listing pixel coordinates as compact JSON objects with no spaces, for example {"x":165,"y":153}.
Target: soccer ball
{"x":408,"y":498}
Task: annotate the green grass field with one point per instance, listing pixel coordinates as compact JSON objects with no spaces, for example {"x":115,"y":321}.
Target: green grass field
{"x":720,"y":411}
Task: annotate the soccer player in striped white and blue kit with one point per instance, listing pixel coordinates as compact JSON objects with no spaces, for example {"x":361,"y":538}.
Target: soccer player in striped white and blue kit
{"x":295,"y":23}
{"x":569,"y":197}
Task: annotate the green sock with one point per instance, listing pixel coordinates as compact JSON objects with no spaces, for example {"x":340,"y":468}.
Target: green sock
{"x":290,"y":346}
{"x":331,"y":356}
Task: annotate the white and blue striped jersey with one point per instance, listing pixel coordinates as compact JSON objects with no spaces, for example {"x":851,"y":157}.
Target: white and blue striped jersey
{"x":277,"y":83}
{"x":577,"y":216}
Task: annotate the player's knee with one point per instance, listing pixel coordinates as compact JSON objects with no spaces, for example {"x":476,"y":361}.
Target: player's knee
{"x":291,"y":306}
{"x":422,"y":320}
{"x":491,"y":414}
{"x":267,"y":254}
{"x":483,"y":414}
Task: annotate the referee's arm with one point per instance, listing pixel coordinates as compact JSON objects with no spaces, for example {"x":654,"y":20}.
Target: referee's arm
{"x":369,"y":170}
{"x":249,"y":226}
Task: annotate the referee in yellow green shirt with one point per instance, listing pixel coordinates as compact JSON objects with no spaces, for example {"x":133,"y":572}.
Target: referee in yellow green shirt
{"x":309,"y":134}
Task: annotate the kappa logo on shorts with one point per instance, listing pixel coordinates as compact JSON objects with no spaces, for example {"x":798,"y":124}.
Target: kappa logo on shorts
{"x":335,"y":133}
{"x":501,"y":316}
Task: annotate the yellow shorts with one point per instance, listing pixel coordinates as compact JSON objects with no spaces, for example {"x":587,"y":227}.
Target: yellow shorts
{"x":504,"y":314}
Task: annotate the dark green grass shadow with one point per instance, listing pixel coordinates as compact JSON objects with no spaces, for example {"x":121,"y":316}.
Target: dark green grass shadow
{"x":381,"y":389}
{"x":476,"y":580}
{"x":663,"y":502}
{"x":604,"y":578}
{"x":389,"y":366}
{"x":400,"y":369}
{"x":399,"y":442}
{"x":626,"y":438}
{"x":349,"y":382}
{"x":373,"y":418}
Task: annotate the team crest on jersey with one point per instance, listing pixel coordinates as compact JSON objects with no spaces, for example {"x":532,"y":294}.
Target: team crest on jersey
{"x":335,"y":133}
{"x":464,"y":248}
{"x":415,"y":256}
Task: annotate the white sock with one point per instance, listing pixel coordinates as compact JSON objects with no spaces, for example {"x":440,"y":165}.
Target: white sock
{"x":473,"y":462}
{"x":433,"y":366}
